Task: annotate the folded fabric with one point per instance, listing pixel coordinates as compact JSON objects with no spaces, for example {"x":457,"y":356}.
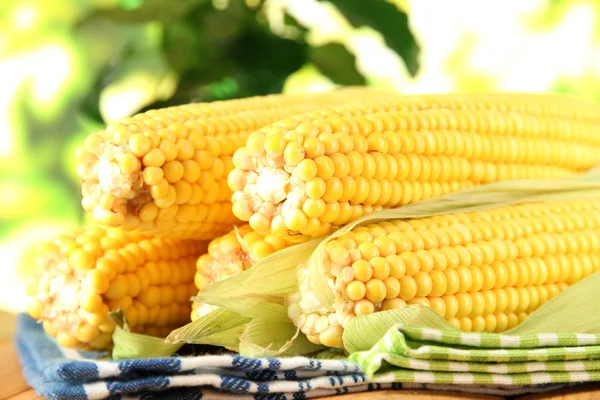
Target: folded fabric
{"x":65,"y":374}
{"x":416,"y":354}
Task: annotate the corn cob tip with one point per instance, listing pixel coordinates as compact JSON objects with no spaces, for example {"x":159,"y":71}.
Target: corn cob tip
{"x":226,"y":257}
{"x":86,"y":273}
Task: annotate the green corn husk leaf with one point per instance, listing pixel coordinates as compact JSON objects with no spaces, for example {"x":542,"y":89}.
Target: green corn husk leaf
{"x":257,"y":337}
{"x":572,"y":311}
{"x":364,"y":331}
{"x":229,"y":339}
{"x":268,"y":280}
{"x":264,"y":338}
{"x":254,"y":294}
{"x":134,"y":345}
{"x":575,"y":310}
{"x":250,"y":305}
{"x":480,"y":198}
{"x":209,"y":326}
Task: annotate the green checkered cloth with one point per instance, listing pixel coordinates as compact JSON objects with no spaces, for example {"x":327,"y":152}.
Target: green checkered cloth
{"x":423,"y":355}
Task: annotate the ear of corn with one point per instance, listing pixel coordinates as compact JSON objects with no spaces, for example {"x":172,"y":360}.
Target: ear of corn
{"x":86,"y":273}
{"x":482,"y":271}
{"x":230,"y":255}
{"x":313,"y":172}
{"x":491,"y":260}
{"x":164,"y":172}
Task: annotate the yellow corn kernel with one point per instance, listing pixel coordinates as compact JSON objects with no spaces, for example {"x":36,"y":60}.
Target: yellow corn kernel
{"x":376,"y":290}
{"x":363,"y":271}
{"x":356,"y":290}
{"x":363,"y":307}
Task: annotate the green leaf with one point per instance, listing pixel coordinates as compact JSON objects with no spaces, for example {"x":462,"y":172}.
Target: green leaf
{"x":273,"y":275}
{"x":387,"y":19}
{"x":135,"y":11}
{"x":230,"y":339}
{"x":258,"y":292}
{"x":227,"y":24}
{"x":265,"y":338}
{"x":135,"y":345}
{"x":131,"y":4}
{"x":186,"y":47}
{"x":292,"y":23}
{"x":214,"y":323}
{"x":249,"y":305}
{"x":575,"y":310}
{"x":364,"y":331}
{"x":27,"y":196}
{"x":258,"y":337}
{"x":262,"y":61}
{"x":337,"y":63}
{"x":117,"y":50}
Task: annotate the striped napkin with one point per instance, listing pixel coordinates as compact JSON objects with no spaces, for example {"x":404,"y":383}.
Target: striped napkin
{"x":56,"y":373}
{"x":448,"y":356}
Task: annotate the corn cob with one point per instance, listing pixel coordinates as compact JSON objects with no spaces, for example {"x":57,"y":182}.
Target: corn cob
{"x":310,"y":173}
{"x":230,"y":255}
{"x":86,"y":273}
{"x":482,"y":271}
{"x":164,"y":172}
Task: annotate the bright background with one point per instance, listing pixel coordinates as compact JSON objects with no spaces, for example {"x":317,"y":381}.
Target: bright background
{"x":67,"y":67}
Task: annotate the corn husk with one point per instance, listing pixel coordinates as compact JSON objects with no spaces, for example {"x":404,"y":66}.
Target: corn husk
{"x":214,"y":325}
{"x":264,"y":338}
{"x":134,"y":345}
{"x":258,"y":293}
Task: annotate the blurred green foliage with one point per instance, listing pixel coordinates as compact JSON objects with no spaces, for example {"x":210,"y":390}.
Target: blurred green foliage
{"x":68,"y":67}
{"x":79,"y":64}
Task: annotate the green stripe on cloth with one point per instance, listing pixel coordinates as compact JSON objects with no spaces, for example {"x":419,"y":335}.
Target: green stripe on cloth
{"x":463,"y":378}
{"x":492,"y":340}
{"x":429,"y":355}
{"x":430,"y":348}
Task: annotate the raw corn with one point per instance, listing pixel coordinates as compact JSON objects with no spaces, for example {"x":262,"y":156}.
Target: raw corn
{"x":230,"y":255}
{"x":164,"y":172}
{"x":310,"y":173}
{"x":482,"y":271}
{"x":86,"y":273}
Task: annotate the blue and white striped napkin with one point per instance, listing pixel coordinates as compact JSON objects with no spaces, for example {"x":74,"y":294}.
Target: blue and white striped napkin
{"x":57,"y":373}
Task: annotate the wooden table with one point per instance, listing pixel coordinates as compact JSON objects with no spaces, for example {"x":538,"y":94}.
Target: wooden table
{"x":14,"y":387}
